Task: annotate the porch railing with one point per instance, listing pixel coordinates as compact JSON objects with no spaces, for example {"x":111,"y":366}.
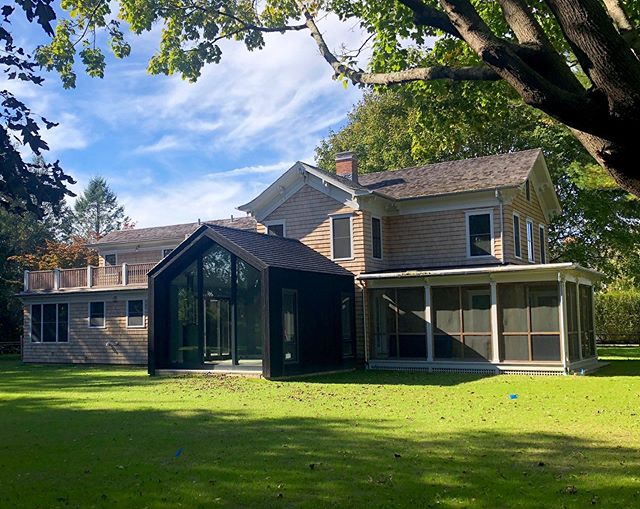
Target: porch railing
{"x":134,"y":274}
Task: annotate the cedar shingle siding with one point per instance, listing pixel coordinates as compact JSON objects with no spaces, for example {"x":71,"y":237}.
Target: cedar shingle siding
{"x":526,"y":210}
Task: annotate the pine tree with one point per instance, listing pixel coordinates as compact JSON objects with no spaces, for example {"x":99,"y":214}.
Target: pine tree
{"x":97,"y":211}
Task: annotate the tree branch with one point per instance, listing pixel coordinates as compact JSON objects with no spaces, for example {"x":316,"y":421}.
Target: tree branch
{"x":621,"y":21}
{"x":425,"y":15}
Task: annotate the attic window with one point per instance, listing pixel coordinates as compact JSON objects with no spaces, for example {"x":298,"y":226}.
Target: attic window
{"x":527,"y":190}
{"x":110,"y":259}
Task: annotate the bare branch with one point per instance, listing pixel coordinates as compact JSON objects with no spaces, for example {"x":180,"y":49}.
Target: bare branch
{"x":622,"y":23}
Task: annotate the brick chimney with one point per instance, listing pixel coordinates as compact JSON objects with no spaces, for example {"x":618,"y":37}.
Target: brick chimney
{"x":347,"y":165}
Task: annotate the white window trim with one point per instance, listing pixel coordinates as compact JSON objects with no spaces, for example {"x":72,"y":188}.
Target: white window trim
{"x":381,"y":239}
{"x":543,"y":245}
{"x":104,"y":307}
{"x":144,"y":315}
{"x":342,"y":216}
{"x":56,"y":342}
{"x":519,"y":257}
{"x":277,"y":222}
{"x":531,"y":254}
{"x":104,"y":258}
{"x":479,"y":212}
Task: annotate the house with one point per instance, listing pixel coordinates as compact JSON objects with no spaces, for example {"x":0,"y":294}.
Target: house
{"x":439,"y":268}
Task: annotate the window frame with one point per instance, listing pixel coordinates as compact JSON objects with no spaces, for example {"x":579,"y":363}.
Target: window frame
{"x":350,"y":218}
{"x":531,"y":245}
{"x":276,"y":222}
{"x":479,"y":212}
{"x":517,"y":242}
{"x":115,"y":257}
{"x":373,"y":250}
{"x":294,"y":292}
{"x":104,"y":313}
{"x":144,"y":321}
{"x":57,"y":341}
{"x":542,"y":240}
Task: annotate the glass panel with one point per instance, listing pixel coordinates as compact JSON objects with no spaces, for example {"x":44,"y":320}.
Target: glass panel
{"x":217,"y":331}
{"x":63,"y":323}
{"x":410,"y":310}
{"x":516,"y":348}
{"x":544,"y":301}
{"x":36,"y":323}
{"x":341,"y":237}
{"x":376,"y":233}
{"x":290,"y":325}
{"x":476,"y":312}
{"x":480,"y":234}
{"x":345,"y":325}
{"x":110,"y":259}
{"x":49,"y":323}
{"x":446,"y":309}
{"x":513,"y":304}
{"x":545,"y":348}
{"x":530,"y":254}
{"x":183,"y":317}
{"x":96,"y":314}
{"x":248,"y":312}
{"x":216,"y":272}
{"x":276,"y":229}
{"x":135,"y":313}
{"x":447,"y":347}
{"x":412,"y":346}
{"x":477,"y":347}
{"x":516,"y":236}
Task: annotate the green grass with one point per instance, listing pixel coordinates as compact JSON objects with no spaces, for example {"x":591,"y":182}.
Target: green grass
{"x":108,"y":437}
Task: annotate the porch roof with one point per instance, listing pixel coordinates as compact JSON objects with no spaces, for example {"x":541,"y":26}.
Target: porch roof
{"x":487,"y":269}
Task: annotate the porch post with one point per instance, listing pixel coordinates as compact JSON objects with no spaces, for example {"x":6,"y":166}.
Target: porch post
{"x":495,"y":339}
{"x":26,"y":281}
{"x":89,"y":276}
{"x":125,"y":275}
{"x":365,"y":329}
{"x":56,"y":279}
{"x":564,"y":332}
{"x":429,"y":324}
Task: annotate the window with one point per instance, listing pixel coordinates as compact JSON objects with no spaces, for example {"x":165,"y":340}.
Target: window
{"x":346,"y":320}
{"x":376,"y":237}
{"x":49,"y":323}
{"x":275,"y":228}
{"x":543,"y":254}
{"x":527,"y":190}
{"x":530,"y":252}
{"x":479,"y":234}
{"x":341,"y":237}
{"x":530,"y":322}
{"x":573,"y":330}
{"x":290,"y":325}
{"x":96,"y":314}
{"x":135,"y":313}
{"x":166,"y":252}
{"x":110,"y":259}
{"x":399,"y":326}
{"x":462,"y":322}
{"x":517,"y":246}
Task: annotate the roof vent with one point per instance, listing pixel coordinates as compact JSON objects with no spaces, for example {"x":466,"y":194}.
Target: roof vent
{"x":347,"y":165}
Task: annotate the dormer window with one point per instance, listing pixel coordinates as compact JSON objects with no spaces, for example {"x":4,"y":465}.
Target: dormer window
{"x":110,"y":259}
{"x":479,"y":233}
{"x":275,"y":228}
{"x":341,"y":237}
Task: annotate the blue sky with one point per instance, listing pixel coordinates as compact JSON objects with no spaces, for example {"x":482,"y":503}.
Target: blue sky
{"x":175,"y":151}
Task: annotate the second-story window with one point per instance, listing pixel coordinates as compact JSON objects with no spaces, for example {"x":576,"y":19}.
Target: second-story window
{"x":376,"y":237}
{"x":479,"y":233}
{"x":543,"y":254}
{"x":276,"y":229}
{"x":517,"y":247}
{"x":110,"y":259}
{"x":530,"y":252}
{"x":341,"y":237}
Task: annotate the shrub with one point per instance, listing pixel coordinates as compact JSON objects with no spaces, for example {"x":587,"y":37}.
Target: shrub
{"x":618,"y":314}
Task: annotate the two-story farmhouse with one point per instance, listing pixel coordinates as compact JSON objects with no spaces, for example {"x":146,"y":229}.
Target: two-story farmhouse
{"x":441,"y":267}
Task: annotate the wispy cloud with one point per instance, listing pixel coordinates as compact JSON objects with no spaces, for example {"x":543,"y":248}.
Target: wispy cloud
{"x":167,"y":142}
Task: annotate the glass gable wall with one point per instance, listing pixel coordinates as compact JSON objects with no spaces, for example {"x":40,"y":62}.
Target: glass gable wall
{"x":215,"y":311}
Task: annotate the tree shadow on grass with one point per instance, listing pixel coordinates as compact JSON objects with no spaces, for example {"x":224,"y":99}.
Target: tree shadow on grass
{"x":55,"y":456}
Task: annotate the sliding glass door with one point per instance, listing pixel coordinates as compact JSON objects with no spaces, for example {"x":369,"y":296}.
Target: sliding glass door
{"x":217,"y":329}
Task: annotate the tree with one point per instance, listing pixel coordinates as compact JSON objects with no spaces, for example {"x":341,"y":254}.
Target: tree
{"x":575,"y":60}
{"x":58,"y":255}
{"x":97,"y":211}
{"x":25,"y":187}
{"x":600,"y":223}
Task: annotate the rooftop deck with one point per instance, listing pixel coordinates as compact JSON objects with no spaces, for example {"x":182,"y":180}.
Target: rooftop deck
{"x":111,"y":276}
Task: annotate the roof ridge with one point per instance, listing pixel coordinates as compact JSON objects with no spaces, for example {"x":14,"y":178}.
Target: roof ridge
{"x":218,"y":226}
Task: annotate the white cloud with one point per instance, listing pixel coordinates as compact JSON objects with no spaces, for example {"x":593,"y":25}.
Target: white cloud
{"x":167,"y":142}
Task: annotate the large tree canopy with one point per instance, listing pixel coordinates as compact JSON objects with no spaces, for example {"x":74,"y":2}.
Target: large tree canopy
{"x":599,"y":225}
{"x":576,"y":60}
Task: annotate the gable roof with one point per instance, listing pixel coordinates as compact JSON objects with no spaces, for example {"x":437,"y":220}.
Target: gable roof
{"x":449,"y":177}
{"x":174,"y":232}
{"x":261,"y":250}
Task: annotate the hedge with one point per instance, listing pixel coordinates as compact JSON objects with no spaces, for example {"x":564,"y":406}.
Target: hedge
{"x":618,"y":315}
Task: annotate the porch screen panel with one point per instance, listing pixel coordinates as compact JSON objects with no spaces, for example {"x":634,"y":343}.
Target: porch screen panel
{"x":383,"y":318}
{"x":572,"y":321}
{"x":545,"y":318}
{"x":248,"y":312}
{"x":587,"y":336}
{"x":183,"y":311}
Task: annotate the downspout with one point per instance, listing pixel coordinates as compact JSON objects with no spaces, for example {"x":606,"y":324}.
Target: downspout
{"x":364,"y":325}
{"x":502,"y":244}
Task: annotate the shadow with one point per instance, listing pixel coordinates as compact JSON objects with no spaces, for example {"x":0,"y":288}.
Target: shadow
{"x":621,"y":360}
{"x":232,"y":442}
{"x":388,"y":377}
{"x":386,"y":183}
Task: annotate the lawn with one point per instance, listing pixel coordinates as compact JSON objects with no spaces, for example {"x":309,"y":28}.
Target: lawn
{"x":113,"y":437}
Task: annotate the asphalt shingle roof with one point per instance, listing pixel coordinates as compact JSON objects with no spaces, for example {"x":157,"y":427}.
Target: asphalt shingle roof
{"x":174,"y":231}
